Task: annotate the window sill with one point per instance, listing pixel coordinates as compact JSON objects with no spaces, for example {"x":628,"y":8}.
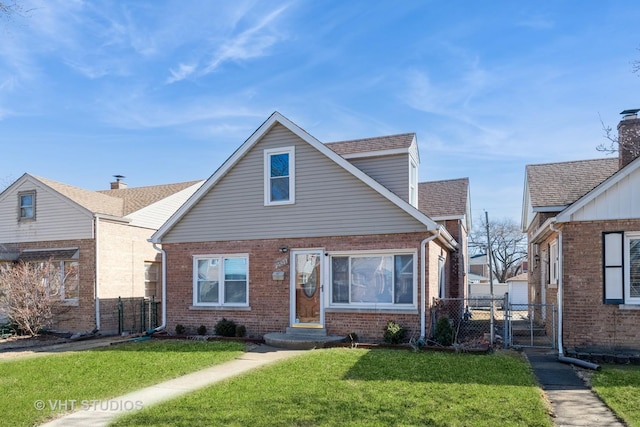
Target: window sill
{"x":219,"y":308}
{"x":629,"y":306}
{"x":395,"y":310}
{"x":69,"y":302}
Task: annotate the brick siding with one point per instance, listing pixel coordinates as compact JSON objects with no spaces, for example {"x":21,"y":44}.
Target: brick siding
{"x":269,"y":300}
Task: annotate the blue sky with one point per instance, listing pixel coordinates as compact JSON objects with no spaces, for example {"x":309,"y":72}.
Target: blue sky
{"x":165,"y":91}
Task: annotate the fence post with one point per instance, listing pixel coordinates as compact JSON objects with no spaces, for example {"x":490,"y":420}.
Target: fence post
{"x":506,"y":309}
{"x":120,"y":318}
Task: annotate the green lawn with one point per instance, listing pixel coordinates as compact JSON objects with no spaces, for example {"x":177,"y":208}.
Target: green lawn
{"x":358,"y":387}
{"x":36,"y":389}
{"x":619,"y":387}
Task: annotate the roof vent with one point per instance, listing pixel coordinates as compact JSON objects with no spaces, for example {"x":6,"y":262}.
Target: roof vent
{"x":630,"y":114}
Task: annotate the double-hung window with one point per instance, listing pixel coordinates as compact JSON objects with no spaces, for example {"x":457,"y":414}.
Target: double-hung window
{"x":279,"y":176}
{"x":621,"y":265}
{"x":373,"y":280}
{"x":27,"y":205}
{"x":61,"y":278}
{"x":221,"y":280}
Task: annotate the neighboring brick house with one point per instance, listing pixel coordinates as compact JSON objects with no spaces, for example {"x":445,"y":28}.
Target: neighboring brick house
{"x":98,"y":239}
{"x":448,"y":203}
{"x":293,"y":234}
{"x":583,"y":224}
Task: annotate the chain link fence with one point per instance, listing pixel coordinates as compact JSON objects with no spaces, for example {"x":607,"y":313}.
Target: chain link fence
{"x":475,"y":322}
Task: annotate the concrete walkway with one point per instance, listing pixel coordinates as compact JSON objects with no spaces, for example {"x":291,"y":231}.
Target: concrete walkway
{"x":572,"y":402}
{"x":100,"y":413}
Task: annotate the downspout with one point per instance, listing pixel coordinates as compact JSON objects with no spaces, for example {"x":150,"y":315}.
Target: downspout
{"x":164,"y":288}
{"x":560,"y":287}
{"x":97,"y":272}
{"x":423,"y":282}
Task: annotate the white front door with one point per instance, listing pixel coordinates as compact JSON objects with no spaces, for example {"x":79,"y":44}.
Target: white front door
{"x":307,"y":288}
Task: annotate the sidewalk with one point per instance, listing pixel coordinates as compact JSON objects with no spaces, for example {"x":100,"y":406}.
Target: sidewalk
{"x":105,"y":411}
{"x":572,"y":402}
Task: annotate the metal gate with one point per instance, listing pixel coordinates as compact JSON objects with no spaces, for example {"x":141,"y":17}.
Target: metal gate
{"x":531,"y":325}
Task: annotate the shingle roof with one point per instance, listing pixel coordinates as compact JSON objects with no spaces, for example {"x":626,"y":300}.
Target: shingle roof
{"x":120,"y":202}
{"x":443,"y":198}
{"x":138,"y":197}
{"x":561,"y":184}
{"x":381,"y":143}
{"x":90,"y":200}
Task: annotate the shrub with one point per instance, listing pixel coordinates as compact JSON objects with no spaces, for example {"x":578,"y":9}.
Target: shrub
{"x":202,"y":330}
{"x":394,"y":333}
{"x":226,"y":328}
{"x":241,"y":331}
{"x":180,"y":329}
{"x":444,"y":332}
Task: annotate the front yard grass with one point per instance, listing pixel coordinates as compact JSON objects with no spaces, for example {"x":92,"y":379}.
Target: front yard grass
{"x":358,"y":387}
{"x":37,"y":389}
{"x":619,"y":387}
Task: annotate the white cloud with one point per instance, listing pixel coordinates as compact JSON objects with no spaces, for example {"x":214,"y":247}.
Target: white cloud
{"x":251,"y":43}
{"x":181,"y":73}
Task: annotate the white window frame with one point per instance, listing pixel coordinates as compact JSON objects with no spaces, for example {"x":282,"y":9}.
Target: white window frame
{"x":373,"y":305}
{"x":628,"y":299}
{"x":553,"y":263}
{"x":221,"y":287}
{"x":268,"y":153}
{"x":413,"y":183}
{"x":61,"y":292}
{"x":152,"y":267}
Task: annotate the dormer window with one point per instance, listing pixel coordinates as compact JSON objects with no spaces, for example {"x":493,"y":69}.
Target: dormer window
{"x":279,"y":176}
{"x":27,"y":205}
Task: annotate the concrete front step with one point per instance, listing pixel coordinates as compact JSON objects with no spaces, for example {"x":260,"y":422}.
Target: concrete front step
{"x":300,"y":340}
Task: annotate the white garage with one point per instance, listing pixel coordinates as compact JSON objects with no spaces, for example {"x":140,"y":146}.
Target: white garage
{"x":519,"y":289}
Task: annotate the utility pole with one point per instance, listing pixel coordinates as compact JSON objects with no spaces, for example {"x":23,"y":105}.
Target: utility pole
{"x":486,"y":216}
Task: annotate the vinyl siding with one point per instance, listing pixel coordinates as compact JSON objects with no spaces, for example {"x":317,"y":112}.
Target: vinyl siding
{"x":390,"y":171}
{"x":57,"y":218}
{"x":329,"y":202}
{"x":621,"y":201}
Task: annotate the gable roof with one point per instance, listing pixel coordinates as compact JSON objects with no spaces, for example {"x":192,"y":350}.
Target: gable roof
{"x":560,"y":184}
{"x":277,"y":118}
{"x":401,"y":142}
{"x":90,"y":200}
{"x":118,"y":203}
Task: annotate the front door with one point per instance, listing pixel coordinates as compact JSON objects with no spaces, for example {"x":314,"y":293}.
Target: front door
{"x":306,"y":286}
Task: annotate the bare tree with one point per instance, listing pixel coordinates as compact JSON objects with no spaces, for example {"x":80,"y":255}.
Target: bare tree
{"x":508,"y":246}
{"x":27,"y":293}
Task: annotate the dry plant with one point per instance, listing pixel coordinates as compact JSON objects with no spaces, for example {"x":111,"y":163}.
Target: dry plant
{"x":27,"y":293}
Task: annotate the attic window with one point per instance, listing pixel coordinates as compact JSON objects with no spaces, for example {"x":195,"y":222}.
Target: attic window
{"x":27,"y":205}
{"x":279,"y":176}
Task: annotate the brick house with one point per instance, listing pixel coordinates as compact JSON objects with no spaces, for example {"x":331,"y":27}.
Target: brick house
{"x":98,"y":239}
{"x":582,"y":219}
{"x":293,"y":234}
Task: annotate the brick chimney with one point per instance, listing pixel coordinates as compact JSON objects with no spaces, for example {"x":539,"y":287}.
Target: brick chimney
{"x":118,"y":184}
{"x":628,"y":137}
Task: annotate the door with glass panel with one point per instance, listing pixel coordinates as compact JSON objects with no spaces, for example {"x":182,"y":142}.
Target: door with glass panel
{"x":307,"y":288}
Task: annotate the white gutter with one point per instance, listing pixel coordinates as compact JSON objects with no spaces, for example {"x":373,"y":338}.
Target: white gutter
{"x":164,"y":288}
{"x":560,"y":286}
{"x":97,"y":273}
{"x":423,"y":282}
